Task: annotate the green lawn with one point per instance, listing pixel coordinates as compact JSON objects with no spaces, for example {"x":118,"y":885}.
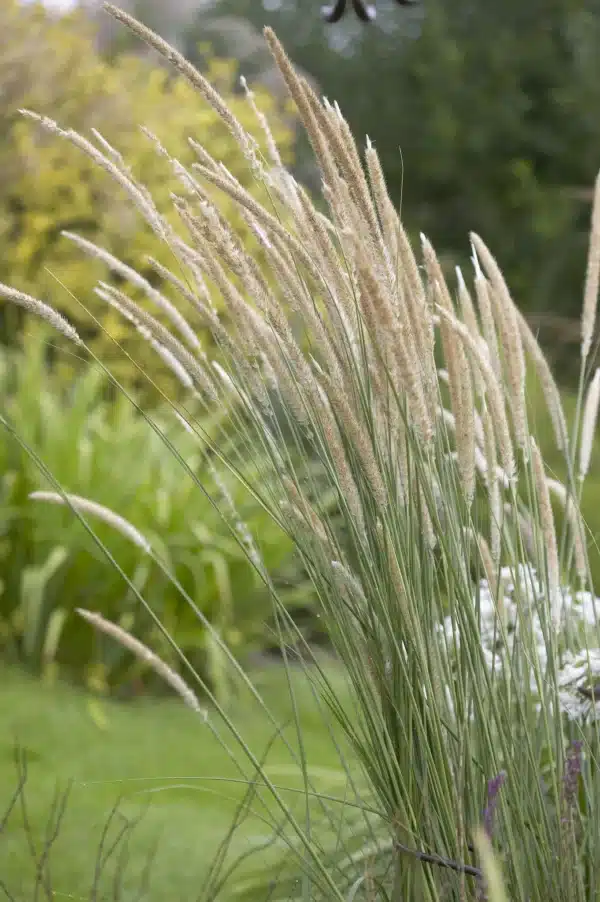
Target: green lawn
{"x":163,"y":763}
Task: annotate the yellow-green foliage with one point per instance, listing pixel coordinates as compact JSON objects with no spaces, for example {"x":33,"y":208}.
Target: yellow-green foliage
{"x":50,"y":65}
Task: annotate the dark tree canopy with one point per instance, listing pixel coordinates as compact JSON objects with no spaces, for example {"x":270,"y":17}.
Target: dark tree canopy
{"x":485,"y":116}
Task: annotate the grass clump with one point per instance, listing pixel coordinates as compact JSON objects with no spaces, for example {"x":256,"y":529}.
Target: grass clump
{"x":460,"y":605}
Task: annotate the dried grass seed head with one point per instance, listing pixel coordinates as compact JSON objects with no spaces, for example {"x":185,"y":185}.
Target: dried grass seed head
{"x":508,"y":326}
{"x":592,"y":278}
{"x":147,"y":656}
{"x":44,"y":311}
{"x":244,"y":140}
{"x":588,"y":427}
{"x":108,"y":516}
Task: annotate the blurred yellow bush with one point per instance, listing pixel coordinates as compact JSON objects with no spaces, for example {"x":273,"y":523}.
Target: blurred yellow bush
{"x":50,"y":65}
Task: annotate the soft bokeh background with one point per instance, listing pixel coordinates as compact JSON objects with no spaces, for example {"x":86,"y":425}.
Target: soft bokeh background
{"x":485,"y":116}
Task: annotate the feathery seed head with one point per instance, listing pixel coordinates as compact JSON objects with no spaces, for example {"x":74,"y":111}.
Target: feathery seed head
{"x":588,"y":428}
{"x":120,"y":524}
{"x":44,"y":311}
{"x":592,"y":278}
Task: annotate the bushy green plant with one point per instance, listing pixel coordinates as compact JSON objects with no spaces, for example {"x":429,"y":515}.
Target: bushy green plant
{"x":49,"y":565}
{"x":50,"y":64}
{"x":468,"y":631}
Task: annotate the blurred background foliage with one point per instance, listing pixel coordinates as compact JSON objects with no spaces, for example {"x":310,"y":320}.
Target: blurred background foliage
{"x":101,"y":449}
{"x":50,"y":64}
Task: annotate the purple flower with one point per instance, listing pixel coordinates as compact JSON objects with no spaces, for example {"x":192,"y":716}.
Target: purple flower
{"x":493,"y":788}
{"x":570,"y":780}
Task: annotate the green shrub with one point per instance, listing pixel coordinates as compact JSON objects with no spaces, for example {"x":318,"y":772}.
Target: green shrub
{"x":47,"y":186}
{"x":103,"y":450}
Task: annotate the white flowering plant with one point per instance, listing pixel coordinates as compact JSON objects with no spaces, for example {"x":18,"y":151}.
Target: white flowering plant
{"x":502,"y":624}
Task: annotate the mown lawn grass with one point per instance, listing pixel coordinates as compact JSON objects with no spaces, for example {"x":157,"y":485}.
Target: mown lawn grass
{"x":155,"y":756}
